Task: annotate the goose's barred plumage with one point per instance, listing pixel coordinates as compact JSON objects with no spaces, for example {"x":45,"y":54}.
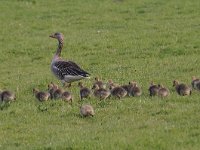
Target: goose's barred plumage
{"x":66,"y":71}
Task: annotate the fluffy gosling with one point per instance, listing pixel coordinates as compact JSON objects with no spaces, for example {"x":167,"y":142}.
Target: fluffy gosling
{"x":134,"y":89}
{"x":84,"y":91}
{"x":52,"y":88}
{"x":153,"y":89}
{"x":163,"y":92}
{"x":86,"y":110}
{"x":100,"y":93}
{"x":7,"y":96}
{"x":182,"y":89}
{"x":118,"y":91}
{"x":99,"y":82}
{"x":195,"y":83}
{"x":57,"y":94}
{"x":41,"y":96}
{"x":127,"y":88}
{"x":67,"y":96}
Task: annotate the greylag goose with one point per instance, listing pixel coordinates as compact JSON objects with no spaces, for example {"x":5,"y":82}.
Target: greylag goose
{"x":41,"y":96}
{"x":65,"y":70}
{"x":182,"y":89}
{"x":153,"y":89}
{"x":86,"y":110}
{"x":7,"y":96}
{"x":195,"y":82}
{"x":100,"y":92}
{"x":134,"y":89}
{"x":163,"y":91}
{"x":84,"y":91}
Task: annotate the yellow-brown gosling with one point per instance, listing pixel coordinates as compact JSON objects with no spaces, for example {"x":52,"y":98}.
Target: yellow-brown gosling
{"x":198,"y":86}
{"x":40,"y":95}
{"x":182,"y":89}
{"x":153,"y":89}
{"x":118,"y":91}
{"x":99,"y":82}
{"x":7,"y":96}
{"x":134,"y":89}
{"x":87,"y":110}
{"x":52,"y":88}
{"x":195,"y":82}
{"x":163,"y":91}
{"x":127,"y":88}
{"x":111,"y":83}
{"x":100,"y":93}
{"x":57,"y":94}
{"x":84,"y":91}
{"x":67,"y":96}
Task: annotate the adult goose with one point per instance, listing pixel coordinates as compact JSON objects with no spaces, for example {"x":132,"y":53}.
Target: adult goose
{"x":65,"y":70}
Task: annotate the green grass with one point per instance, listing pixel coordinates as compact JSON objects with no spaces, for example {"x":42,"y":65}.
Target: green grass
{"x":142,"y":40}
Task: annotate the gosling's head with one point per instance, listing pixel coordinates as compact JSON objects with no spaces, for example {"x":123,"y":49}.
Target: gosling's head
{"x":152,"y":83}
{"x":80,"y":84}
{"x":96,"y":78}
{"x":175,"y":82}
{"x":194,"y":78}
{"x":95,"y":87}
{"x":35,"y":90}
{"x":160,"y":86}
{"x":134,"y":83}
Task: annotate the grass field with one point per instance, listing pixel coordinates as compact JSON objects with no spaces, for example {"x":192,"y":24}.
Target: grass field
{"x":123,"y":40}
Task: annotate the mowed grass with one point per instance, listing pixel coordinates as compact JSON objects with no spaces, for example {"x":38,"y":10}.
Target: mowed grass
{"x":123,"y":40}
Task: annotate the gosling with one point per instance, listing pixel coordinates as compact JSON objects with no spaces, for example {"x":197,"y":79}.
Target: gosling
{"x":153,"y":89}
{"x":67,"y":96}
{"x":163,"y":92}
{"x":57,"y":94}
{"x":134,"y":89}
{"x":7,"y":96}
{"x":52,"y":88}
{"x":195,"y":83}
{"x":118,"y":91}
{"x":41,"y":96}
{"x":100,"y":93}
{"x":84,"y":91}
{"x":86,"y":110}
{"x":111,"y":83}
{"x":127,"y":88}
{"x":182,"y":89}
{"x":99,"y":82}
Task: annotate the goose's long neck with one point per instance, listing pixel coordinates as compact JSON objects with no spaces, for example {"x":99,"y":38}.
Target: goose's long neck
{"x":59,"y":49}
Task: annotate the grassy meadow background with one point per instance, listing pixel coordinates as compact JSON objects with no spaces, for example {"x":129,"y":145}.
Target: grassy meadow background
{"x":123,"y":40}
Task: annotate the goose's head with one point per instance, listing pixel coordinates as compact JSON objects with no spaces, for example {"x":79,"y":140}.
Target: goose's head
{"x":57,"y":35}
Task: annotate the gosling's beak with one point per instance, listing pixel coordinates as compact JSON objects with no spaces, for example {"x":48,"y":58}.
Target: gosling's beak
{"x":52,"y":36}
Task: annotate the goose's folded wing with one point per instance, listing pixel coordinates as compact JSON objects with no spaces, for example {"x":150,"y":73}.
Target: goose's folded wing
{"x":69,"y":68}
